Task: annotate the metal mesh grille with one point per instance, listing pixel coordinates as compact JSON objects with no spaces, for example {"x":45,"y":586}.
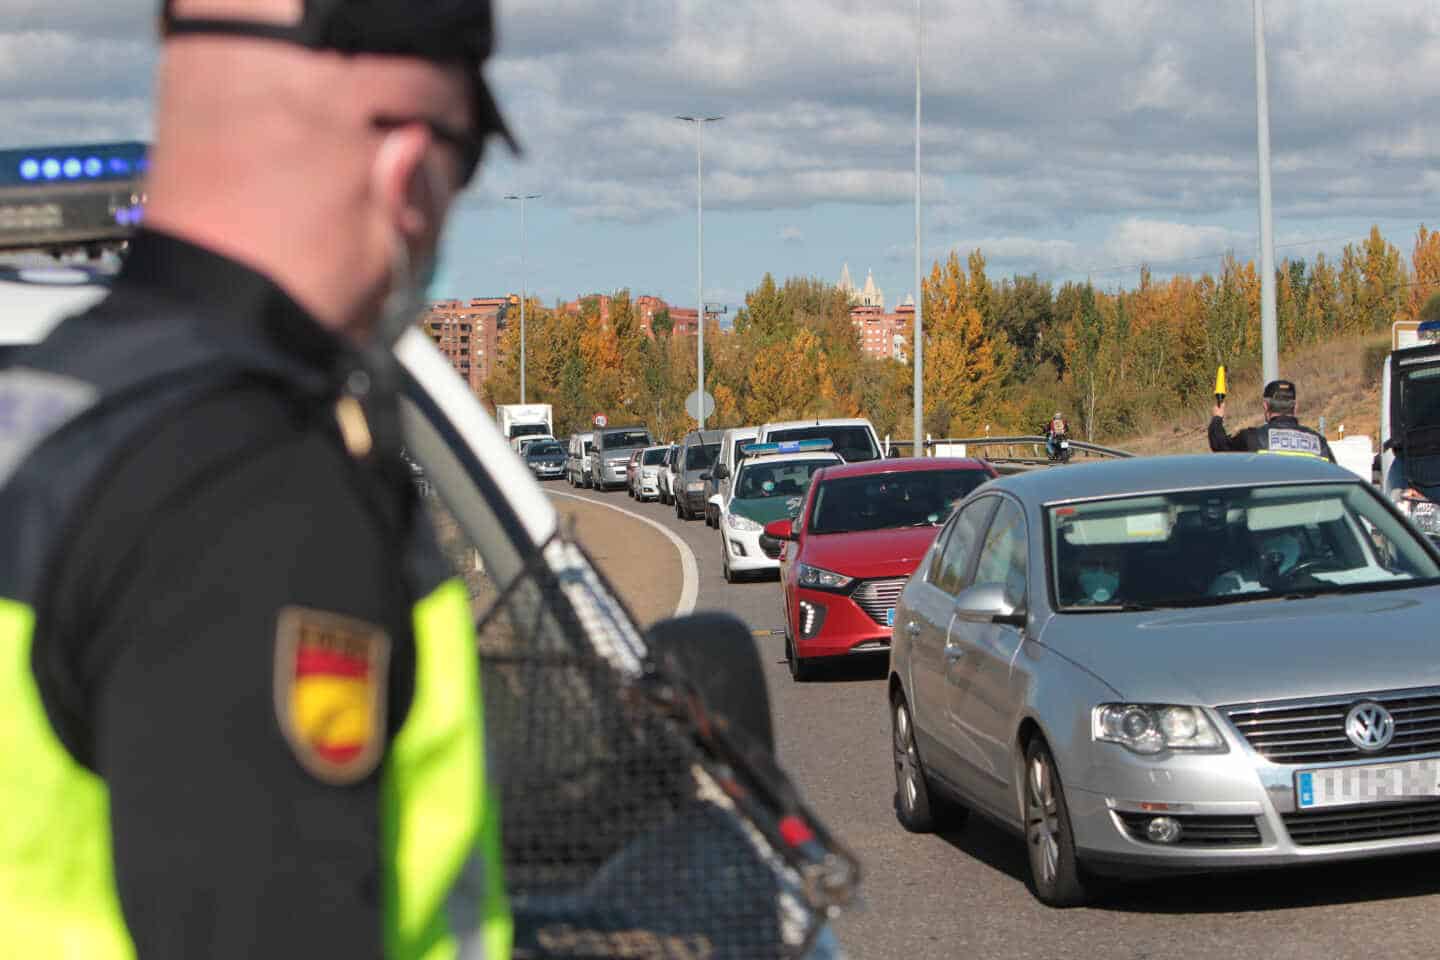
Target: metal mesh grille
{"x":878,"y":597}
{"x":1384,"y":821}
{"x":624,"y":833}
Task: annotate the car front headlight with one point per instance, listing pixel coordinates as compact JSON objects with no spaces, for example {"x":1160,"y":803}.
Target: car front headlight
{"x":818,"y":578}
{"x":744,"y":524}
{"x":1148,"y":728}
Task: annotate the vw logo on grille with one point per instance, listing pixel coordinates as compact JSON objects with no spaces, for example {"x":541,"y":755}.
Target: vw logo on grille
{"x":1369,"y":726}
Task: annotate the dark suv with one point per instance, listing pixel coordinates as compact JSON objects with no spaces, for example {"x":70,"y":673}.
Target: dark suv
{"x":698,"y":453}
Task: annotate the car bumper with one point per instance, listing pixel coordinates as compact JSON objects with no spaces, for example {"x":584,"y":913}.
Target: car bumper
{"x":845,"y":628}
{"x":648,"y":486}
{"x":742,"y":550}
{"x":1236,"y":810}
{"x":548,"y":473}
{"x":614,"y":475}
{"x":694,"y":502}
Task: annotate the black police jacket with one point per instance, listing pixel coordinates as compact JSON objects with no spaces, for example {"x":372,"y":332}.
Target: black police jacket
{"x":1281,"y":435}
{"x":203,"y":483}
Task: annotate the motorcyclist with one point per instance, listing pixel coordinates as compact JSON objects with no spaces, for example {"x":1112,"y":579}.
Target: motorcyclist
{"x":1056,"y":429}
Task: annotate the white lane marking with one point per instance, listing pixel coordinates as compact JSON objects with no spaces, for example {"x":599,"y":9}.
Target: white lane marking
{"x":689,"y":571}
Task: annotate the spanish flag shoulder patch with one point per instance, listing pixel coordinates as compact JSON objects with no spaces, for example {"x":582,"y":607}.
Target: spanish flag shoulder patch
{"x":331,"y":691}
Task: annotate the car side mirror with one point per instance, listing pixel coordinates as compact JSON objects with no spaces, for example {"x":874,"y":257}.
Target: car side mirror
{"x":721,"y":472}
{"x":779,"y":530}
{"x":717,"y":653}
{"x":988,"y":603}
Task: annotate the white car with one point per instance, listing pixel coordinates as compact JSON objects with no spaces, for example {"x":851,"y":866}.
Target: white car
{"x":769,"y":485}
{"x":853,"y":438}
{"x":645,"y":481}
{"x":667,"y":474}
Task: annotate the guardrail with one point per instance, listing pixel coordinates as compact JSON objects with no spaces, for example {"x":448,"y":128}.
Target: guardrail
{"x":1017,"y":453}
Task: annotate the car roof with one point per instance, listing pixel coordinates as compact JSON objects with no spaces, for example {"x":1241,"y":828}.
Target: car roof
{"x":1081,"y":481}
{"x":867,"y":468}
{"x":741,"y":430}
{"x":788,"y":458}
{"x":704,"y":437}
{"x":817,"y":422}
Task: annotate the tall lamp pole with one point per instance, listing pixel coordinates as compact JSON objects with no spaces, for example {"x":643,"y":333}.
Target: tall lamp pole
{"x":1269,"y":339}
{"x":522,"y":197}
{"x":919,"y":348}
{"x":700,"y":122}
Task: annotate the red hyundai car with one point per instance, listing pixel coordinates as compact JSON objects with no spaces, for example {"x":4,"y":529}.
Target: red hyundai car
{"x":859,"y":535}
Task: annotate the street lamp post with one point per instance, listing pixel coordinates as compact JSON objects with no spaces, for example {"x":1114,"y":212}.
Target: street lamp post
{"x":700,"y":122}
{"x":919,"y":349}
{"x":1269,"y":339}
{"x":522,"y":197}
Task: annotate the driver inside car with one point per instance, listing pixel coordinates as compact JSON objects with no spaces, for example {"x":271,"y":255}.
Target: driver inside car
{"x":1276,"y":555}
{"x":1097,"y":575}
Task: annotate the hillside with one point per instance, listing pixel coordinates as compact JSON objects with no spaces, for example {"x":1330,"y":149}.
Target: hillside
{"x":1339,"y":380}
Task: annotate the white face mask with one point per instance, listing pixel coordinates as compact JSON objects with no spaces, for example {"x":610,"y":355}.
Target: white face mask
{"x":1099,"y":585}
{"x":411,"y":277}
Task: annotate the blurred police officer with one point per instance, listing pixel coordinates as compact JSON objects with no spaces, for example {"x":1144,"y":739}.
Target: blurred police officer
{"x":239,"y":706}
{"x":1281,"y":434}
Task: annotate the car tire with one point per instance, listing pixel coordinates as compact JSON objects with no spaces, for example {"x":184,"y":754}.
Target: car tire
{"x":725,"y":563}
{"x":679,"y":510}
{"x":800,"y":671}
{"x":913,"y":806}
{"x":1055,"y":873}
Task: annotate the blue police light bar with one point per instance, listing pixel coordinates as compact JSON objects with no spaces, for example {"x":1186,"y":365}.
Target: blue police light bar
{"x":787,"y":446}
{"x":73,"y":162}
{"x":77,"y":195}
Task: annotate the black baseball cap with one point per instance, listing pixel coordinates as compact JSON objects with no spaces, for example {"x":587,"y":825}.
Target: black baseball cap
{"x":448,"y":31}
{"x":1280,"y":390}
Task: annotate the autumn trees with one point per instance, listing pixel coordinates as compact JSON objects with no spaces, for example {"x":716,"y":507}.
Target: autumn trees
{"x":999,"y":355}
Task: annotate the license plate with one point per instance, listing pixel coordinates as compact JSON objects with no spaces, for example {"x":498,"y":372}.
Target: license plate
{"x":890,"y":617}
{"x":1376,"y":783}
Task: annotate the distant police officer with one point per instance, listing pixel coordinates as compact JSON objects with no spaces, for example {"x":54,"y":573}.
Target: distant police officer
{"x":1281,"y":434}
{"x":239,"y":704}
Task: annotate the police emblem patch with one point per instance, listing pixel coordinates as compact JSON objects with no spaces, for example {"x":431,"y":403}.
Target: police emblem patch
{"x":330,"y":691}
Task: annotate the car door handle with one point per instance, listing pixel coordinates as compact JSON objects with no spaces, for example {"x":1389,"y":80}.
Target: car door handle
{"x":912,"y":628}
{"x":953,"y":652}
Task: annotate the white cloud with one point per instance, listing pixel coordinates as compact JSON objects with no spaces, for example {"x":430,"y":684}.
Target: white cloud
{"x":1135,"y":240}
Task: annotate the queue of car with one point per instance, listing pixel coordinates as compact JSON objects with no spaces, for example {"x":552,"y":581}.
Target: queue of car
{"x":1167,"y":665}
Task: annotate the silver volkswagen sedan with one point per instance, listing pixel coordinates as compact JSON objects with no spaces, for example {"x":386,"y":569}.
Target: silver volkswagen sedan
{"x":1173,"y":664}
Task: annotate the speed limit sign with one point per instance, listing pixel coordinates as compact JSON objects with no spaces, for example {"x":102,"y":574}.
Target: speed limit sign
{"x":601,"y":420}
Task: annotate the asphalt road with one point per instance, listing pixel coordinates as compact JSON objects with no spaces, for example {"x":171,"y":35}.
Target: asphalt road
{"x":965,"y":894}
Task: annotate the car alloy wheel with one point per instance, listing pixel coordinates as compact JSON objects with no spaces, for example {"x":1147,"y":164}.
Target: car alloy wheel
{"x":912,"y":793}
{"x":1049,"y":840}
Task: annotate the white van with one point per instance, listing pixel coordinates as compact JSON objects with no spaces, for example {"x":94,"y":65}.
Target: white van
{"x":577,"y":459}
{"x":854,"y":438}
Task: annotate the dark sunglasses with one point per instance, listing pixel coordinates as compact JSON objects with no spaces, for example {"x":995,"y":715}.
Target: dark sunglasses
{"x":471,"y":148}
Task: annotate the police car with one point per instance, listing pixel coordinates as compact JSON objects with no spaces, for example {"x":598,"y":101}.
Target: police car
{"x":769,"y":484}
{"x":66,"y":214}
{"x":558,"y":644}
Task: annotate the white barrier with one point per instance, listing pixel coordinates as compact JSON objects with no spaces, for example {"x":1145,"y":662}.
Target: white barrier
{"x":1356,"y":454}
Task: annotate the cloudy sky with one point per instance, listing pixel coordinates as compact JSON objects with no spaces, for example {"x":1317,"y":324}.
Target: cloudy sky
{"x":1064,"y":137}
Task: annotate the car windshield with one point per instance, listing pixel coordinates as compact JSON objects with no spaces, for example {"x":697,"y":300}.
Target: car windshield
{"x":545,"y":448}
{"x":759,"y":480}
{"x":852,"y":443}
{"x":627,"y":438}
{"x":911,"y":498}
{"x":701,"y":456}
{"x":654,"y":457}
{"x":589,"y":447}
{"x":1222,"y":546}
